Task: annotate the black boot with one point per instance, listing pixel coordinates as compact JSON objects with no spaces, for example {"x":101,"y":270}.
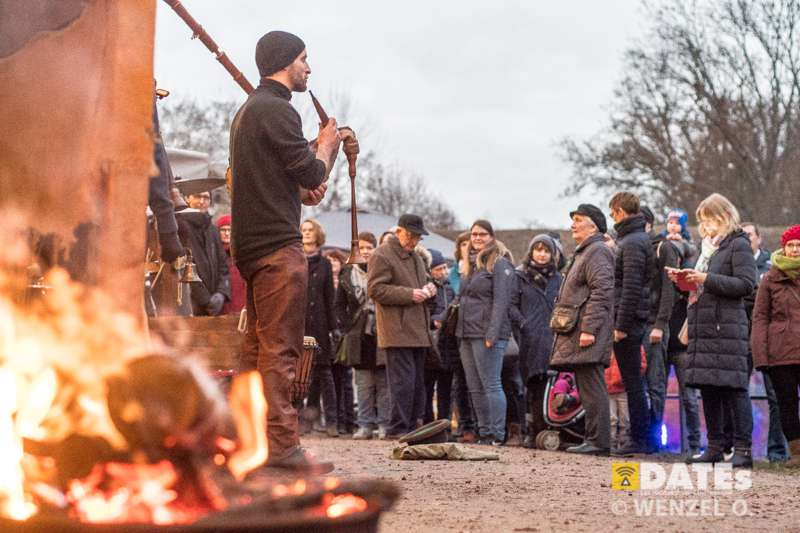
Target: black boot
{"x":711,"y":455}
{"x":742,"y":458}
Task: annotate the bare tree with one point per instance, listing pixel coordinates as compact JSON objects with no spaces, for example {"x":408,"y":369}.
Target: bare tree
{"x":386,"y":189}
{"x":709,"y":103}
{"x":392,"y":190}
{"x":204,"y":127}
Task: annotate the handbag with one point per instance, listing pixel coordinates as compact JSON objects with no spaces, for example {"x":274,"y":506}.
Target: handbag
{"x":450,"y":320}
{"x":564,"y":318}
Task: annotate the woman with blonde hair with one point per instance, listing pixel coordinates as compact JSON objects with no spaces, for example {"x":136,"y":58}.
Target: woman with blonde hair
{"x":718,"y":360}
{"x":320,"y":322}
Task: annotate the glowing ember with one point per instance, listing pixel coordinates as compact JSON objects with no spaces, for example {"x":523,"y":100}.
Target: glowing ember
{"x":332,"y":483}
{"x":122,"y":492}
{"x":344,"y":504}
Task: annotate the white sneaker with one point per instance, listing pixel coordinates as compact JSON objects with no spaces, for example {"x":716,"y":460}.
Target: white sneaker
{"x":728,"y":454}
{"x":381,"y":433}
{"x":362,"y":434}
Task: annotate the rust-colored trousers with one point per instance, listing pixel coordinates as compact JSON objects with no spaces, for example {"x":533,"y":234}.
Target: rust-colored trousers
{"x":276,"y":313}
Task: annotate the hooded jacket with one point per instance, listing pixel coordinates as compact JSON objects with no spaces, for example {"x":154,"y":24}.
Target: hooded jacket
{"x":485,"y":296}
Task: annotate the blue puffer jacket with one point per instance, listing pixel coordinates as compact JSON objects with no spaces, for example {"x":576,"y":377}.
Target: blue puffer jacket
{"x":485,"y":297}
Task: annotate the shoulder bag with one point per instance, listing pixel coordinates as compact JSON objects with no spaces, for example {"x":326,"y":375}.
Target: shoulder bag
{"x":564,"y":318}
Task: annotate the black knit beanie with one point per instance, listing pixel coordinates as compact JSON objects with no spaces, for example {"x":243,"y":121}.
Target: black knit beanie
{"x":276,"y":50}
{"x":485,"y":224}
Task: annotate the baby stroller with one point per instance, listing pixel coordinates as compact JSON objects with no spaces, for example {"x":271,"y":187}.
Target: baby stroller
{"x":562,"y":413}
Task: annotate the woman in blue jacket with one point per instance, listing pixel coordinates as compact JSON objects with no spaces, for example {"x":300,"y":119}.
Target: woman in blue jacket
{"x":484,"y":328}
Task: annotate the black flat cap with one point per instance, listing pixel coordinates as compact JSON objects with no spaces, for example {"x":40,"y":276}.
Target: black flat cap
{"x":412,"y":223}
{"x":594,"y":213}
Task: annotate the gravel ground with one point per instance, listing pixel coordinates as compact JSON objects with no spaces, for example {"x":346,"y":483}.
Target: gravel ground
{"x":529,"y":490}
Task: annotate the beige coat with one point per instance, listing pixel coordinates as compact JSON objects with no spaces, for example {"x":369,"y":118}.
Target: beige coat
{"x":394,"y":273}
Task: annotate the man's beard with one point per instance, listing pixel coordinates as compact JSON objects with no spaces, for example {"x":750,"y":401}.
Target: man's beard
{"x":299,"y":84}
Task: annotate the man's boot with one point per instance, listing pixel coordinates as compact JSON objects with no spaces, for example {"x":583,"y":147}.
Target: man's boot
{"x":468,"y":437}
{"x":514,"y":435}
{"x":713,"y":454}
{"x":742,"y":458}
{"x":794,"y":449}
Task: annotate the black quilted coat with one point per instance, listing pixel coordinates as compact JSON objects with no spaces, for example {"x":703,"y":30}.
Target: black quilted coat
{"x":632,"y":272}
{"x":718,"y":351}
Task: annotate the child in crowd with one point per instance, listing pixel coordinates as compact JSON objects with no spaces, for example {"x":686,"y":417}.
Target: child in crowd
{"x":618,"y":403}
{"x":678,"y":233}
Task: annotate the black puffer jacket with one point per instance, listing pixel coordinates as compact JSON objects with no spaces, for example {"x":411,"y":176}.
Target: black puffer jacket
{"x":632,"y":271}
{"x":718,"y":352}
{"x":320,"y":313}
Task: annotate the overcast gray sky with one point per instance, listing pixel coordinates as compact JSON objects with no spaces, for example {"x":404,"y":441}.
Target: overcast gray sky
{"x":472,"y":95}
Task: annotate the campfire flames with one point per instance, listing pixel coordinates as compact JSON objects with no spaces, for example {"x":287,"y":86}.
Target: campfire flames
{"x":62,"y":448}
{"x":53,"y":358}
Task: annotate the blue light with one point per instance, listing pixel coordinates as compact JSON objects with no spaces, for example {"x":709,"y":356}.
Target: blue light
{"x":663,"y":434}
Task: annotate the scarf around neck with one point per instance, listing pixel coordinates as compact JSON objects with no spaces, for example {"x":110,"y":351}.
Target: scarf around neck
{"x":707,"y":250}
{"x":788,"y":265}
{"x":539,"y":274}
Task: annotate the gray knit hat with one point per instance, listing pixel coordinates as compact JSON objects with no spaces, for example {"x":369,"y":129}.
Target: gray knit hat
{"x":277,"y":50}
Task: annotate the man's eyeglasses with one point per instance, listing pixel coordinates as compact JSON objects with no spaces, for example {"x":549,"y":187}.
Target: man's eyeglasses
{"x":482,"y":234}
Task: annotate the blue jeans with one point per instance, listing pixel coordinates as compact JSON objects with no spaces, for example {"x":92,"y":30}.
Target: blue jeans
{"x":656,"y":377}
{"x":689,"y":402}
{"x":482,"y":368}
{"x":777,"y":447}
{"x":373,"y":398}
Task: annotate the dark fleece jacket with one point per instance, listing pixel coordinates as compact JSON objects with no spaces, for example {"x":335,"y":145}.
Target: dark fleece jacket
{"x":270,"y":161}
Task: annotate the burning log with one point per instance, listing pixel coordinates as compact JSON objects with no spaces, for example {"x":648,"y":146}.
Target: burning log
{"x":165,"y":406}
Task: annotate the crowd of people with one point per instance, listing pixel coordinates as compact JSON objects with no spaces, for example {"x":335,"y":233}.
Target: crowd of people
{"x":412,"y":336}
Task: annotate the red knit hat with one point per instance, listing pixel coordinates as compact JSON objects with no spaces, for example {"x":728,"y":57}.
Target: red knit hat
{"x":224,"y":220}
{"x":791,"y":234}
